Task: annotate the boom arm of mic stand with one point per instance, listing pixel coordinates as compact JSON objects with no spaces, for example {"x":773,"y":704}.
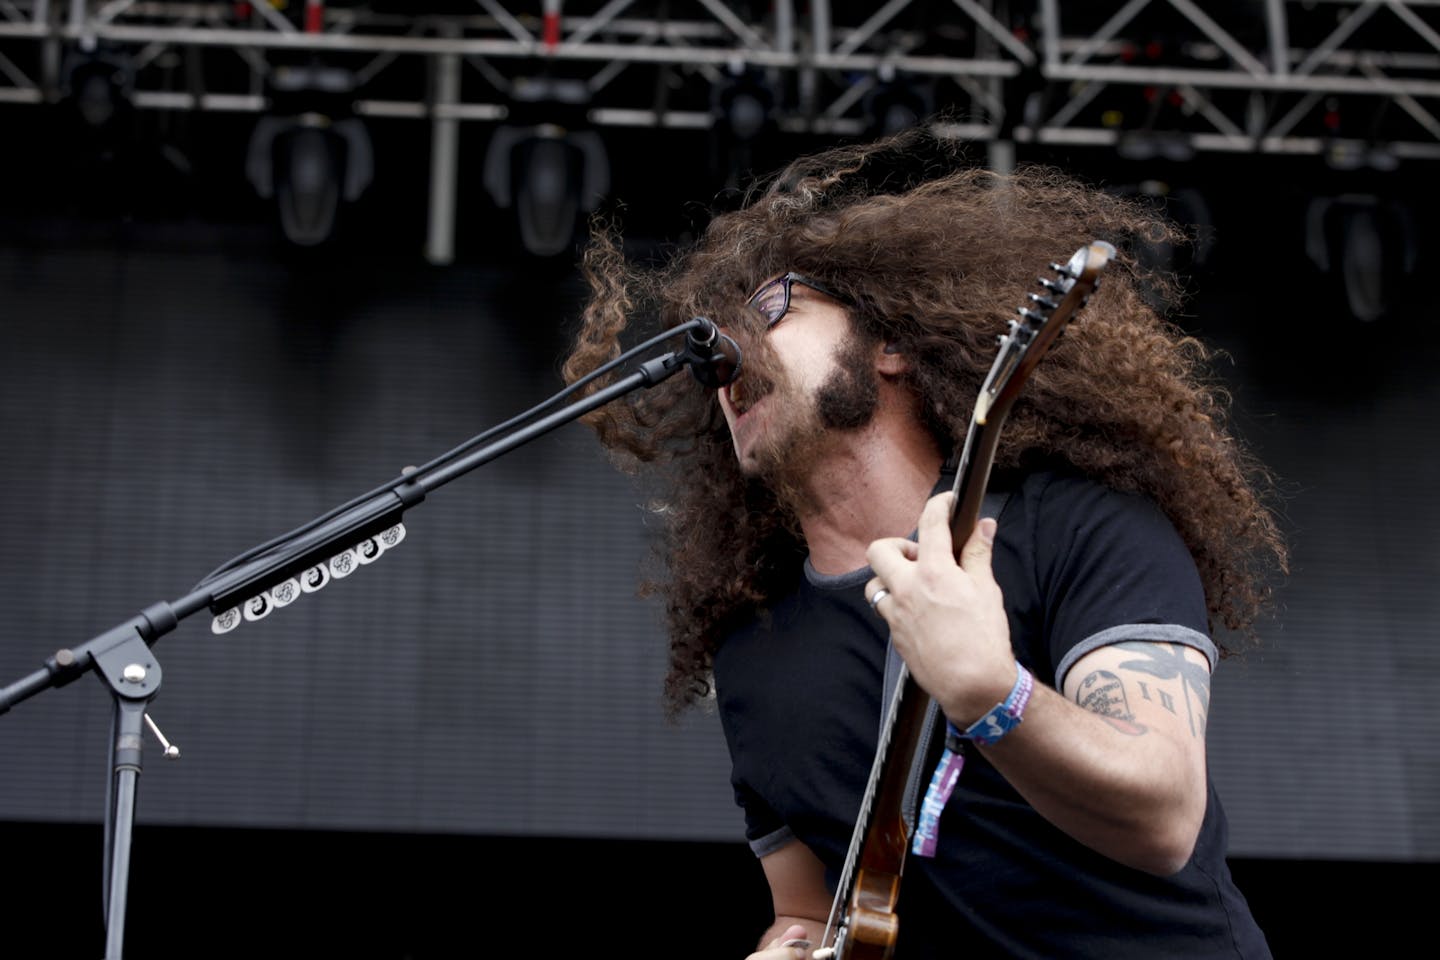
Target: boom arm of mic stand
{"x":123,"y":659}
{"x":266,"y":571}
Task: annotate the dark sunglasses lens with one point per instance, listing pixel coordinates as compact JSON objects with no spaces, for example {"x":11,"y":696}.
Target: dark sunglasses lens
{"x":771,"y":301}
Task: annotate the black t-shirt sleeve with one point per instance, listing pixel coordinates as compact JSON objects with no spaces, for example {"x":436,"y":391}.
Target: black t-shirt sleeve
{"x":759,"y":818}
{"x":1111,"y":567}
{"x":765,"y":830}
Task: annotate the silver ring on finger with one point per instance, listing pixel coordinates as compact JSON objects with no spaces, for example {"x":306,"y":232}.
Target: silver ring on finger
{"x":880,"y":594}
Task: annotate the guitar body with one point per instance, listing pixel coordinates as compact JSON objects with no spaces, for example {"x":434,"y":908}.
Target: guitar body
{"x":863,"y":922}
{"x":874,"y":925}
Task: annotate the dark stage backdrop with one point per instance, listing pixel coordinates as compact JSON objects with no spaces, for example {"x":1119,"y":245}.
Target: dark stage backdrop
{"x":177,"y":392}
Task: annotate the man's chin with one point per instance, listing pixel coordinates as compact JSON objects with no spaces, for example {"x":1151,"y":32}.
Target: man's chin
{"x":784,"y":472}
{"x":767,"y":469}
{"x":750,"y":469}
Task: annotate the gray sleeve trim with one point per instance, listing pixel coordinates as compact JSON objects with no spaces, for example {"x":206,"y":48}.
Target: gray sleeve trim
{"x":771,"y":842}
{"x":1155,"y":632}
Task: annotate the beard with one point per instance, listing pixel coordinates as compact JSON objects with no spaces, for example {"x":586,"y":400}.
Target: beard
{"x":804,"y":432}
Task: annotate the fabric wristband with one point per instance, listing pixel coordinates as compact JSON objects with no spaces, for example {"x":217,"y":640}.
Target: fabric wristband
{"x":1004,"y":716}
{"x":1000,"y":720}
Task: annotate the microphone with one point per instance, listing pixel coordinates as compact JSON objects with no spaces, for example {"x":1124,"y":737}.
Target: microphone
{"x":713,"y":357}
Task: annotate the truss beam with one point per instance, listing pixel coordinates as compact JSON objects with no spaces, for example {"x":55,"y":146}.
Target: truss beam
{"x":1310,"y":72}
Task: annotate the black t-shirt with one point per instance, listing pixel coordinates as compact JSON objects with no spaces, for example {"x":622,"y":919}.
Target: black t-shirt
{"x":799,"y":691}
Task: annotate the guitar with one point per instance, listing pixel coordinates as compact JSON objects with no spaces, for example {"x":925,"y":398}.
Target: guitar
{"x":863,"y":923}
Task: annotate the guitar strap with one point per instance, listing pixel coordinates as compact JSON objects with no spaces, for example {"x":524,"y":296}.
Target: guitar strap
{"x":990,"y":506}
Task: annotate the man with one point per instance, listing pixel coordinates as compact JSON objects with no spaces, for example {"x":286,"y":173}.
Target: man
{"x":808,"y":533}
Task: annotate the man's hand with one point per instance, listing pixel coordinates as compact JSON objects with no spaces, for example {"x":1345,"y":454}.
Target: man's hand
{"x":790,"y":945}
{"x":947,"y":619}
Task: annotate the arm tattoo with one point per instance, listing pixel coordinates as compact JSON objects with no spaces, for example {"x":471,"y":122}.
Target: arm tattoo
{"x":1104,"y":692}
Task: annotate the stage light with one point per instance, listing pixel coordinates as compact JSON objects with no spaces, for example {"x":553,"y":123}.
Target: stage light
{"x":1369,"y":244}
{"x":1349,"y":155}
{"x":97,"y":89}
{"x":1170,"y":145}
{"x":894,"y":105}
{"x":1184,"y":206}
{"x":742,"y":124}
{"x":548,"y":166}
{"x":742,"y":107}
{"x":311,"y":154}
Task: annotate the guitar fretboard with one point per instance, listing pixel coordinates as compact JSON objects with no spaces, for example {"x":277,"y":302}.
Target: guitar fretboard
{"x":867,"y":803}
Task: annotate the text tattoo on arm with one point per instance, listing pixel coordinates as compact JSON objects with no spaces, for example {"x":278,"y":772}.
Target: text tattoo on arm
{"x":1160,"y":666}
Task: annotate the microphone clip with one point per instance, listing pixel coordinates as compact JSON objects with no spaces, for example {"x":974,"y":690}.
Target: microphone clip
{"x":713,"y":358}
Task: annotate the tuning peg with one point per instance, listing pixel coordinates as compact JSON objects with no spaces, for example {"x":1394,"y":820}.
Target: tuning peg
{"x":392,"y":535}
{"x":1045,"y":302}
{"x":225,"y":622}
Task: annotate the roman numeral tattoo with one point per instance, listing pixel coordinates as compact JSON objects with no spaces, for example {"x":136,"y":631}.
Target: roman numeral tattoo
{"x":1105,"y":693}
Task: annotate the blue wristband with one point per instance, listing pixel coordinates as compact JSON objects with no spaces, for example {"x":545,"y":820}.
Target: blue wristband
{"x":1004,"y":716}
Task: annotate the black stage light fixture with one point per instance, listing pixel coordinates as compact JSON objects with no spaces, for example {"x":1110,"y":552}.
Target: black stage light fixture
{"x":896,"y":104}
{"x":546,"y":163}
{"x":743,"y":106}
{"x":310,"y":152}
{"x":1369,"y":244}
{"x":98,"y":89}
{"x":742,"y":125}
{"x":97,"y":94}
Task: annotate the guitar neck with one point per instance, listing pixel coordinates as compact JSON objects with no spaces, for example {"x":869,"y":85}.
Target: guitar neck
{"x":972,"y":478}
{"x":862,"y":919}
{"x":881,"y":838}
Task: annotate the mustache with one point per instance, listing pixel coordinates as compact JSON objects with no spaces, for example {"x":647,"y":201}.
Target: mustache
{"x":750,"y":388}
{"x":759,"y":376}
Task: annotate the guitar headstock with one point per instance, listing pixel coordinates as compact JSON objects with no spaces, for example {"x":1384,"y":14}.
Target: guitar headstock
{"x":1079,"y":275}
{"x":1021,"y":347}
{"x":1040,"y":322}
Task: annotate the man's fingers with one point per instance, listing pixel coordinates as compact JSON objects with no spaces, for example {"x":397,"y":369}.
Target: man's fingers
{"x":975,"y":556}
{"x":888,"y":556}
{"x":793,"y":943}
{"x":794,"y":934}
{"x":934,"y":528}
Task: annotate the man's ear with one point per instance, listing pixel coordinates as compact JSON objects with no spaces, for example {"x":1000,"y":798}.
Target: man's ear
{"x":891,"y":361}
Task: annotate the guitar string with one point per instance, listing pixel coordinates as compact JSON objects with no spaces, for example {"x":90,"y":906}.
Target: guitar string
{"x":862,"y":821}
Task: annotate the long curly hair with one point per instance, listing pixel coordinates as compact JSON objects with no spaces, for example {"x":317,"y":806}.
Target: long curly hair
{"x":936,"y":254}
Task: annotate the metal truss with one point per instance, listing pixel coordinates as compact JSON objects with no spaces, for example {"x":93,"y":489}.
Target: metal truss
{"x":1264,"y":75}
{"x":1348,"y":79}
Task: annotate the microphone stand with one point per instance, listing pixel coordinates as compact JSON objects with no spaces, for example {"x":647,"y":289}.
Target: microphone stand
{"x":123,"y":658}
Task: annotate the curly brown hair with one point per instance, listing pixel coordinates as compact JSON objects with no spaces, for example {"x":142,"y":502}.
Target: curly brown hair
{"x":936,"y":254}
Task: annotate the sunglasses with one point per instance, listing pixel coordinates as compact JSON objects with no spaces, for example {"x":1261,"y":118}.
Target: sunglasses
{"x":773,"y":299}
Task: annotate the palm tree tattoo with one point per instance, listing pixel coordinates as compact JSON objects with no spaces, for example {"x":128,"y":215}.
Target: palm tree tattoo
{"x":1167,"y":662}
